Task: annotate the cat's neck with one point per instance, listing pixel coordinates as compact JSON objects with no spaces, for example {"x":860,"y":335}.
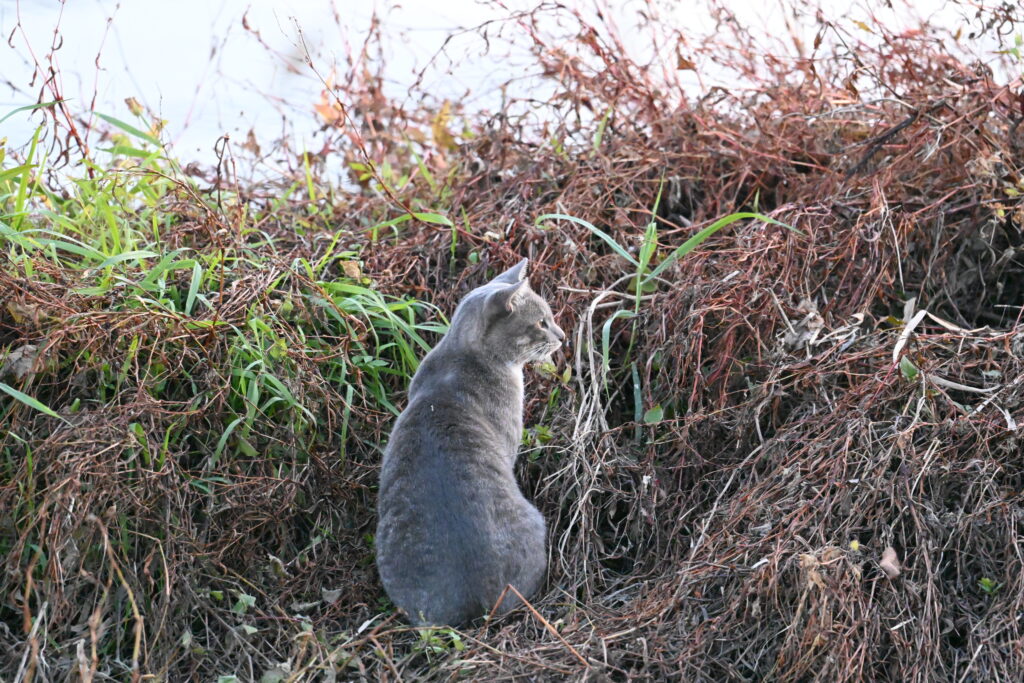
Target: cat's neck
{"x":469,"y":370}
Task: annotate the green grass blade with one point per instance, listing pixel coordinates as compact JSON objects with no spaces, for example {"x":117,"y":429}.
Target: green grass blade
{"x":599,"y":134}
{"x":126,"y":151}
{"x":16,"y":237}
{"x":84,"y":252}
{"x":29,"y":401}
{"x":424,"y":171}
{"x":223,"y":440}
{"x":434,"y":218}
{"x":649,"y":246}
{"x":127,"y":256}
{"x":128,"y":128}
{"x":616,"y":247}
{"x":388,"y":223}
{"x":21,"y":196}
{"x":193,"y":288}
{"x":17,"y":170}
{"x":167,"y":263}
{"x":28,"y":107}
{"x":695,"y":241}
{"x":606,"y":334}
{"x":426,"y":217}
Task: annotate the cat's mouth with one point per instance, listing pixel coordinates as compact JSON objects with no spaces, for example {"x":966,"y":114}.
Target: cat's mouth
{"x":541,"y":353}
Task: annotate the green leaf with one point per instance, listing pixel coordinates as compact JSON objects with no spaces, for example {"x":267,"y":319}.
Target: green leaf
{"x":618,"y":248}
{"x":435,"y":218}
{"x":653,"y":415}
{"x":650,"y":237}
{"x":606,"y":333}
{"x":193,"y":288}
{"x":29,"y":401}
{"x":125,"y":150}
{"x":17,"y":170}
{"x":599,"y":135}
{"x":16,"y":237}
{"x":127,"y":256}
{"x":650,"y":243}
{"x":387,"y":224}
{"x":128,"y":128}
{"x":92,"y":291}
{"x":166,"y":264}
{"x":244,"y":602}
{"x":28,"y":107}
{"x":695,"y":241}
{"x":222,"y":441}
{"x":907,"y":368}
{"x":276,"y":675}
{"x":84,"y":252}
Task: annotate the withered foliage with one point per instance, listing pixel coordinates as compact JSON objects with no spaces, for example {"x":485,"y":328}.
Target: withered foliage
{"x":804,"y":416}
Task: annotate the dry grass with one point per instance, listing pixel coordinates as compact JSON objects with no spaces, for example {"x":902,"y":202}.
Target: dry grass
{"x":738,"y":537}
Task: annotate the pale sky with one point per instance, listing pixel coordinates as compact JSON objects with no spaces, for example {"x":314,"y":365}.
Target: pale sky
{"x":195,"y":64}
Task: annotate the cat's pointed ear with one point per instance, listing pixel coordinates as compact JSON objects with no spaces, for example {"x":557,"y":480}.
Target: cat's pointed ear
{"x":516,"y":273}
{"x":507,"y":299}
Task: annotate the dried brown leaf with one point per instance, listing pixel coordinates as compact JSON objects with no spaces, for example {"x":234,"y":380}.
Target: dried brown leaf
{"x":890,"y":563}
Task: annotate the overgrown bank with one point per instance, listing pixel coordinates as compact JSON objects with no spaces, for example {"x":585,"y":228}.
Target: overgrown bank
{"x":200,"y":375}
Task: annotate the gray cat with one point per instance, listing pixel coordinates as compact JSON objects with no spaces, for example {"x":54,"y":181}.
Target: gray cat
{"x":454,"y":528}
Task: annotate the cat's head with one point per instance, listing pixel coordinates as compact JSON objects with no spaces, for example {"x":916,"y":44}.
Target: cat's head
{"x":507,"y":320}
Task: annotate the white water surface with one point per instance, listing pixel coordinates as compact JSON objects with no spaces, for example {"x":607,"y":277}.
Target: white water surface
{"x":194,"y":64}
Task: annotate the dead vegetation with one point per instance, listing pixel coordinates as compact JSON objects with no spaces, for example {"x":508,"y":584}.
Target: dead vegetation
{"x":801,"y":460}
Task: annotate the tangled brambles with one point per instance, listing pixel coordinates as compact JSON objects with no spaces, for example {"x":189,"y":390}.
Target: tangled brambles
{"x":790,"y":454}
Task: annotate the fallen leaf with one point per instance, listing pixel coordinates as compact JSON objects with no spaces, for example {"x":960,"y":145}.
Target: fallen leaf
{"x":351,"y":269}
{"x":439,"y":127}
{"x":831,"y":553}
{"x":889,"y":563}
{"x":810,"y":564}
{"x":804,"y":333}
{"x":23,"y":313}
{"x":277,"y":566}
{"x":251,"y":144}
{"x":654,"y":415}
{"x":277,"y":674}
{"x":133,"y":106}
{"x":20,"y":361}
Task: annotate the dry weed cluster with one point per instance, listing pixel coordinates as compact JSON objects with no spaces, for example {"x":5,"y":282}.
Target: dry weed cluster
{"x":725,"y":466}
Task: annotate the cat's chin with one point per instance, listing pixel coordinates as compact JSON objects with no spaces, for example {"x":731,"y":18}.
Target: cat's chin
{"x":542,"y":359}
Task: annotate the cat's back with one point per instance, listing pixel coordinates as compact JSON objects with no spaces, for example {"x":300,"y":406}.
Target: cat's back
{"x":449,"y":509}
{"x":450,"y":455}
